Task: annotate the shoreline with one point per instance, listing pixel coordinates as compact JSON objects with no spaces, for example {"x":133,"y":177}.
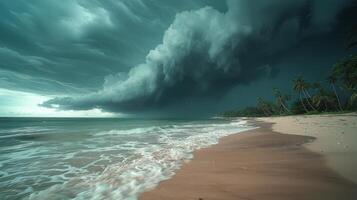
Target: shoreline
{"x":335,"y":133}
{"x":256,"y":164}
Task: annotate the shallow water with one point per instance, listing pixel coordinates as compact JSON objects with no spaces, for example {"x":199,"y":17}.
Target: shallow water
{"x":67,"y":158}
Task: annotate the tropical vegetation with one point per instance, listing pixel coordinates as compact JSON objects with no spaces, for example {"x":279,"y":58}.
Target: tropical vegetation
{"x":338,"y":93}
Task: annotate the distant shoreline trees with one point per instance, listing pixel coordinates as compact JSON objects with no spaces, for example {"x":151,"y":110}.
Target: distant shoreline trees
{"x":313,"y":98}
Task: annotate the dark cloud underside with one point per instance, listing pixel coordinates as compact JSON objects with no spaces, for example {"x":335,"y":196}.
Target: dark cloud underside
{"x":154,"y":55}
{"x":61,"y":47}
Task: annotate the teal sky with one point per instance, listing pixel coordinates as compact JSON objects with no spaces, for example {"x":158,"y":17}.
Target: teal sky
{"x":160,"y":57}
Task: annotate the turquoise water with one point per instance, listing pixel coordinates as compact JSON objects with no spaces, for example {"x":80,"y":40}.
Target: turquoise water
{"x":72,"y":158}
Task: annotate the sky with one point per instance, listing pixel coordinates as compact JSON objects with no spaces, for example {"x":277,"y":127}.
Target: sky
{"x":91,"y":58}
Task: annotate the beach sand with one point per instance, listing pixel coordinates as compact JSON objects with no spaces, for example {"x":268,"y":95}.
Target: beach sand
{"x":257,"y":164}
{"x":336,"y":138}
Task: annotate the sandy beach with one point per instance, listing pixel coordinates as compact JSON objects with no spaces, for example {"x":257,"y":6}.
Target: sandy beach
{"x":275,"y":161}
{"x":336,"y":138}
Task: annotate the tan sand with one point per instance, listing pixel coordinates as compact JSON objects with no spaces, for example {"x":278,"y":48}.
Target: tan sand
{"x":257,"y":164}
{"x":336,"y":138}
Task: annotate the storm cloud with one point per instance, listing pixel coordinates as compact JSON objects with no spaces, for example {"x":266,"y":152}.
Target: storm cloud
{"x":206,"y":52}
{"x":67,"y":47}
{"x":144,"y":56}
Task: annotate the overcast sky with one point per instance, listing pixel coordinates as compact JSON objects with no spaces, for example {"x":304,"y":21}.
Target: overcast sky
{"x":160,"y":57}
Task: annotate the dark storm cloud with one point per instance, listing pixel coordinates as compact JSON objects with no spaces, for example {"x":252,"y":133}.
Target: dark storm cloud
{"x":62,"y":47}
{"x":206,"y":52}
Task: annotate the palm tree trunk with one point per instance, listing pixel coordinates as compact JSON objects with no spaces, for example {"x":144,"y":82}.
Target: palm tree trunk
{"x":302,"y":103}
{"x":307,"y":92}
{"x":279,"y":104}
{"x":308,"y":97}
{"x":282,"y":105}
{"x":286,"y":109}
{"x":268,"y":111}
{"x":337,"y":97}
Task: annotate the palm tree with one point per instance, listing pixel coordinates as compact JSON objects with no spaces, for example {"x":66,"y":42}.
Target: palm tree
{"x":332,"y":79}
{"x":322,"y":98}
{"x":346,"y":71}
{"x":262,"y":105}
{"x":306,"y":87}
{"x":299,"y":87}
{"x":281,"y":99}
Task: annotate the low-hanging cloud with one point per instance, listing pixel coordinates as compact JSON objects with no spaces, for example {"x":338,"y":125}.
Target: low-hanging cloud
{"x":206,"y":52}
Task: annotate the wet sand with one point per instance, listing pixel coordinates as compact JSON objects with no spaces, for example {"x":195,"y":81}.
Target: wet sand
{"x":336,"y":138}
{"x":257,"y":164}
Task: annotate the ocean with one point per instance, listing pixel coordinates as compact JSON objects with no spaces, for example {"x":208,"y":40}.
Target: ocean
{"x":90,"y":158}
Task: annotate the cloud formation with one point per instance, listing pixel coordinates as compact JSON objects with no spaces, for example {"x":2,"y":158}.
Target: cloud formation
{"x":206,"y":52}
{"x":66,"y":47}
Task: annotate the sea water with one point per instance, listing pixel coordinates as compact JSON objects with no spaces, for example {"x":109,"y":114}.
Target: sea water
{"x":72,"y":158}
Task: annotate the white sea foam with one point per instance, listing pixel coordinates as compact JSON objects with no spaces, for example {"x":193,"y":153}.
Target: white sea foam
{"x":121,"y":164}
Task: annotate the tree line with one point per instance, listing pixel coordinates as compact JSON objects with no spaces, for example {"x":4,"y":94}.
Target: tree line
{"x":337,"y":93}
